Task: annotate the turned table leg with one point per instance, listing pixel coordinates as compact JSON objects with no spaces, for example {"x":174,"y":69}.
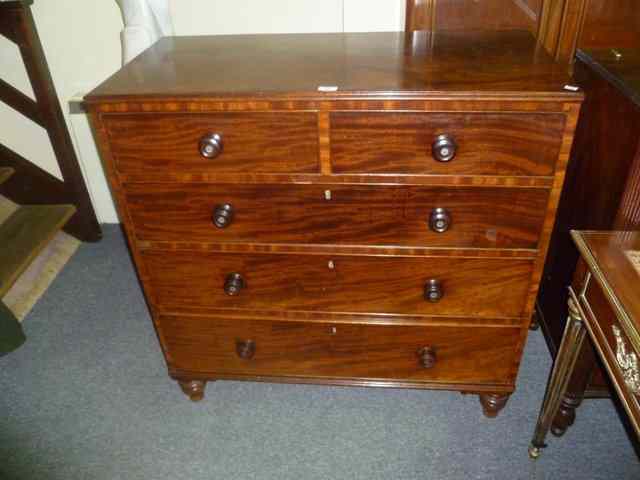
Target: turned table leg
{"x":194,"y":389}
{"x":572,"y":399}
{"x":568,"y":353}
{"x":565,"y":416}
{"x":492,"y":404}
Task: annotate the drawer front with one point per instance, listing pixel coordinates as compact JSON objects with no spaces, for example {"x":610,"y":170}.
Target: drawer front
{"x":597,"y":306}
{"x":353,"y":215}
{"x":462,"y":355}
{"x":340,"y":284}
{"x":614,"y":344}
{"x":486,"y":144}
{"x":251,"y":142}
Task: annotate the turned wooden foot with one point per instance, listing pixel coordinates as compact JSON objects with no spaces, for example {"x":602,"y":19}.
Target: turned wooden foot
{"x":535,"y":324}
{"x":194,"y":389}
{"x":492,"y":404}
{"x":566,"y":415}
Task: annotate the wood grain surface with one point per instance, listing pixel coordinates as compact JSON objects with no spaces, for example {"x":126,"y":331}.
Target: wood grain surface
{"x":389,"y":63}
{"x":205,"y":345}
{"x":610,"y":24}
{"x":257,"y":142}
{"x":394,"y":285}
{"x":472,"y":15}
{"x":355,"y":215}
{"x":488,"y":144}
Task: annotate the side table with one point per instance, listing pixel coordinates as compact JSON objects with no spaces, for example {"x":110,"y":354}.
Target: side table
{"x":604,"y":303}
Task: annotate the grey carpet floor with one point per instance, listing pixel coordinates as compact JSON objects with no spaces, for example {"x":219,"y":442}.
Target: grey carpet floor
{"x":88,"y":397}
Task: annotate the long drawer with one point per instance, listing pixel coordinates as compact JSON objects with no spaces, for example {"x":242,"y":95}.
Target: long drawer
{"x":265,"y":142}
{"x":339,"y":214}
{"x":288,"y":349}
{"x":480,"y":143}
{"x":349,"y":284}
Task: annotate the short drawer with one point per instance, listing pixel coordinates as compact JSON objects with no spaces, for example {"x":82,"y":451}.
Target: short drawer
{"x":340,"y":284}
{"x":339,"y":214}
{"x":483,"y":143}
{"x":611,"y":340}
{"x":597,"y":306}
{"x":341,"y":351}
{"x":248,"y":142}
{"x":606,"y":326}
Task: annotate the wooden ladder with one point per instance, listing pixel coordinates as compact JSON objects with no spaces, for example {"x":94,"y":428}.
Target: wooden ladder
{"x":30,"y":184}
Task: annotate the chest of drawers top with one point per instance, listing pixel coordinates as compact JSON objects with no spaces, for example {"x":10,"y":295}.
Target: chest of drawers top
{"x":412,"y":64}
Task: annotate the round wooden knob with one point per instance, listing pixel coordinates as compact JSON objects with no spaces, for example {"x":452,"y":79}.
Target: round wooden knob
{"x":444,"y":148}
{"x":233,"y":284}
{"x":223,"y":215}
{"x":427,"y":357}
{"x":211,"y":145}
{"x":246,"y":349}
{"x":439,"y":220}
{"x":433,"y":290}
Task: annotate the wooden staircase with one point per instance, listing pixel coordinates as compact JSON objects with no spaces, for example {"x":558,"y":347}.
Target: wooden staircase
{"x":22,"y":237}
{"x":5,"y":173}
{"x":32,"y":185}
{"x":48,"y":203}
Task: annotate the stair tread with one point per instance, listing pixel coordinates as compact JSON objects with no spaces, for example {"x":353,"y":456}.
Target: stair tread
{"x":24,"y":234}
{"x":14,"y":4}
{"x":5,"y":173}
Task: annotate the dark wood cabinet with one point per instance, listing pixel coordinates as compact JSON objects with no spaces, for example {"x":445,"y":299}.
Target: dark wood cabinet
{"x":467,"y":15}
{"x":561,"y":26}
{"x":352,"y":209}
{"x":602,"y":192}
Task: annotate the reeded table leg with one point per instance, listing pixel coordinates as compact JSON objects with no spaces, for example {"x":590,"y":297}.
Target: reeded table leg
{"x":566,"y":414}
{"x":570,"y":347}
{"x":575,"y":390}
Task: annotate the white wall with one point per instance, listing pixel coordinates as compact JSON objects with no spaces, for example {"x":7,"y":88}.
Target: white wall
{"x":82,"y":44}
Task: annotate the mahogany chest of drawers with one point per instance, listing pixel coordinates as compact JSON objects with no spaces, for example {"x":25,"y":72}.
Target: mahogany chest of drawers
{"x":353,"y":209}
